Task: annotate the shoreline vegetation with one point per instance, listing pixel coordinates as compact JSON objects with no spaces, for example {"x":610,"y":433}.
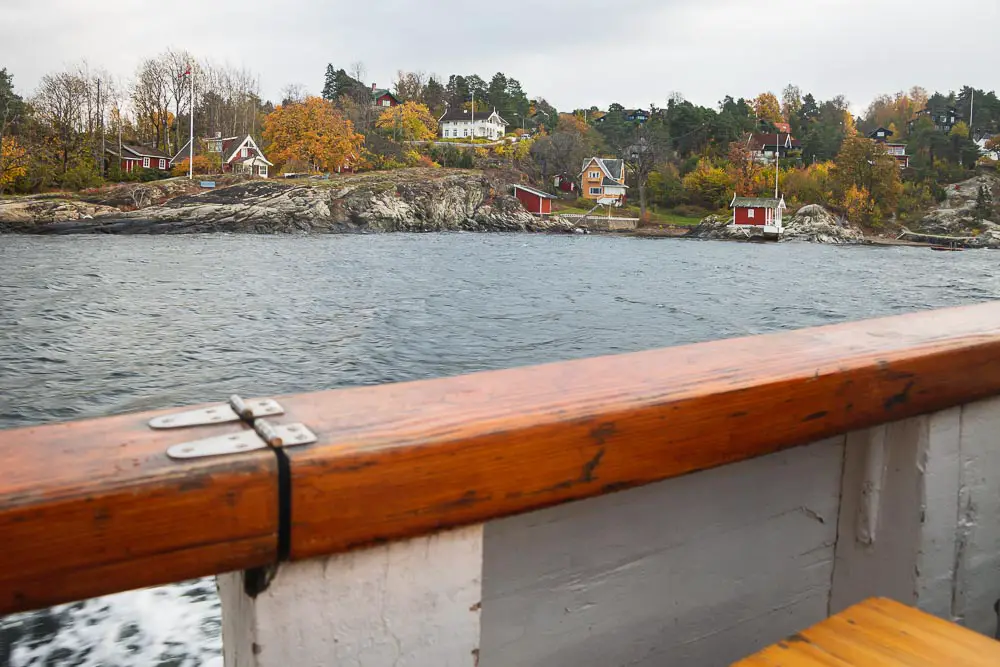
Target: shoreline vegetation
{"x":403,"y":200}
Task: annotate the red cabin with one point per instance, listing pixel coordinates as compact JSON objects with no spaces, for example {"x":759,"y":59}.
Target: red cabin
{"x":535,"y":201}
{"x":139,"y":157}
{"x":762,"y":212}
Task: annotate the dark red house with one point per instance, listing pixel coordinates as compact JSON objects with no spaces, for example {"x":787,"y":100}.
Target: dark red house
{"x":139,"y":157}
{"x":384,"y":98}
{"x":535,"y":201}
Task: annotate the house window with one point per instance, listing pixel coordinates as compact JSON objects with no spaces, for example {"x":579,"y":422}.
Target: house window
{"x":243,"y":152}
{"x":263,"y":170}
{"x":750,"y":213}
{"x":385,"y":103}
{"x":595,"y":191}
{"x":465,"y":133}
{"x":594,"y":174}
{"x":145,"y":163}
{"x":163,"y":164}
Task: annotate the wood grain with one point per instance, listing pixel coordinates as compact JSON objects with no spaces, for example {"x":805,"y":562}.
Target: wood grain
{"x":400,"y":460}
{"x":883,"y":633}
{"x":97,"y":507}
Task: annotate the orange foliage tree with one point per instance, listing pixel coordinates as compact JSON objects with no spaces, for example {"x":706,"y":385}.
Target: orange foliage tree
{"x":13,"y":161}
{"x":312,"y":132}
{"x":202,"y":165}
{"x":767,"y":107}
{"x":410,"y":121}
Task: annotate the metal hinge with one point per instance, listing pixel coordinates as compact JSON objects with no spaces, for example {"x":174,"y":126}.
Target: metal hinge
{"x":264,"y":433}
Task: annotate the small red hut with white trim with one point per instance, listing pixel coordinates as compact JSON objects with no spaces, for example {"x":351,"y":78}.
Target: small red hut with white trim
{"x":758,"y":213}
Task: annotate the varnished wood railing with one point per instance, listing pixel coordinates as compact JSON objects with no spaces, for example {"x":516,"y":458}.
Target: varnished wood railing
{"x":96,"y":507}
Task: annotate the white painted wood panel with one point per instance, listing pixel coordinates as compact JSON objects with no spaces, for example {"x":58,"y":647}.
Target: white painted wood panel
{"x":880,"y":515}
{"x":941,"y":462}
{"x":405,"y":604}
{"x":699,"y":570}
{"x":977,"y":554}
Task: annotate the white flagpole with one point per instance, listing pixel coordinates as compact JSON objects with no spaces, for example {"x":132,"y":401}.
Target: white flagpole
{"x":777,"y":152}
{"x":191,"y":141}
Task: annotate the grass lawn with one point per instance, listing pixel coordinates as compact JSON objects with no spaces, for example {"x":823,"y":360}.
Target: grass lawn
{"x":655,"y":217}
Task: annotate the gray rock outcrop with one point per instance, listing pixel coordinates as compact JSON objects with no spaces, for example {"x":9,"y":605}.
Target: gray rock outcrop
{"x":815,"y":224}
{"x":956,"y":215}
{"x":417,"y":200}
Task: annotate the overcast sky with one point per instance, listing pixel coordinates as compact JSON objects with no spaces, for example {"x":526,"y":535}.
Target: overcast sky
{"x":575,"y":54}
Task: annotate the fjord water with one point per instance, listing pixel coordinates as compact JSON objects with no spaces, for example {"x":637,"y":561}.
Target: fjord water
{"x":92,"y":326}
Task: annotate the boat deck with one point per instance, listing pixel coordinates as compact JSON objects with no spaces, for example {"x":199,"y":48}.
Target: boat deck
{"x":880,"y":633}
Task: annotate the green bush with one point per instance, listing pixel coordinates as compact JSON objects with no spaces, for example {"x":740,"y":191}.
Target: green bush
{"x":147,"y":175}
{"x":80,"y":177}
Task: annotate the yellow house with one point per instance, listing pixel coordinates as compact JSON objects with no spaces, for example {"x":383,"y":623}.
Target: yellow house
{"x":603,"y":178}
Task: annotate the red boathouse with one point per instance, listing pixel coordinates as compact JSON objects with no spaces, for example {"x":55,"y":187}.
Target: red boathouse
{"x":535,"y":201}
{"x":762,"y":213}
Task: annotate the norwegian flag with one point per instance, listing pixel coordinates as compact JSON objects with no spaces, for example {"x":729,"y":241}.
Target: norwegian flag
{"x":186,"y":73}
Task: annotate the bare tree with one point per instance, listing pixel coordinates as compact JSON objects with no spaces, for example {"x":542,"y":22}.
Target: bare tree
{"x":293,"y":93}
{"x":151,"y":100}
{"x":60,"y":103}
{"x":410,"y":85}
{"x":175,"y":65}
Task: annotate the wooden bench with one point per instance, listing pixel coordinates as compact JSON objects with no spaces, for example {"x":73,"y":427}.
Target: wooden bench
{"x":881,"y":633}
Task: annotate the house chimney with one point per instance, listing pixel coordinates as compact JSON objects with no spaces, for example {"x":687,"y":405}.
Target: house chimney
{"x":218,"y":135}
{"x":373,"y":87}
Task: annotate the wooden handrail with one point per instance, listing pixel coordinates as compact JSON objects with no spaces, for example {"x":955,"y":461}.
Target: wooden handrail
{"x":96,"y":507}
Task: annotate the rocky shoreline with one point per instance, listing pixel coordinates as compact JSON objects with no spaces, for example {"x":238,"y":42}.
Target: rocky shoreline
{"x":413,"y":200}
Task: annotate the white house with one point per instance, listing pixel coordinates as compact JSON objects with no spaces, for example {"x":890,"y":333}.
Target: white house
{"x":462,"y":123}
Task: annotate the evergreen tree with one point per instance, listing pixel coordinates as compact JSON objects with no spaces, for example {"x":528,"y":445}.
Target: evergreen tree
{"x":435,"y":96}
{"x":984,"y":202}
{"x":330,"y":84}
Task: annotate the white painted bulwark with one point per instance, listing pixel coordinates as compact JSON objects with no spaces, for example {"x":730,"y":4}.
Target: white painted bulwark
{"x":412,"y":603}
{"x":698,"y":570}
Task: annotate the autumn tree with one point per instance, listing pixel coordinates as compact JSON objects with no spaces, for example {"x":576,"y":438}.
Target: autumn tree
{"x":410,"y":121}
{"x":313,"y":132}
{"x":743,"y":169}
{"x":708,"y":186}
{"x":791,"y":101}
{"x":993,"y":145}
{"x":13,"y":161}
{"x":11,"y":108}
{"x":767,"y":107}
{"x":867,"y":178}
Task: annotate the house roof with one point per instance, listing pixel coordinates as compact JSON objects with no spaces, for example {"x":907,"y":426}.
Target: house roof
{"x":874,"y":133}
{"x":543,"y":195}
{"x":465,"y":114}
{"x":758,"y":141}
{"x":139,"y":151}
{"x":612,"y":168}
{"x":382,"y":92}
{"x":757,"y":202}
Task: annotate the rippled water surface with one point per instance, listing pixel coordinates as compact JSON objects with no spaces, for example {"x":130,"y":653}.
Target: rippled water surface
{"x":92,"y":326}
